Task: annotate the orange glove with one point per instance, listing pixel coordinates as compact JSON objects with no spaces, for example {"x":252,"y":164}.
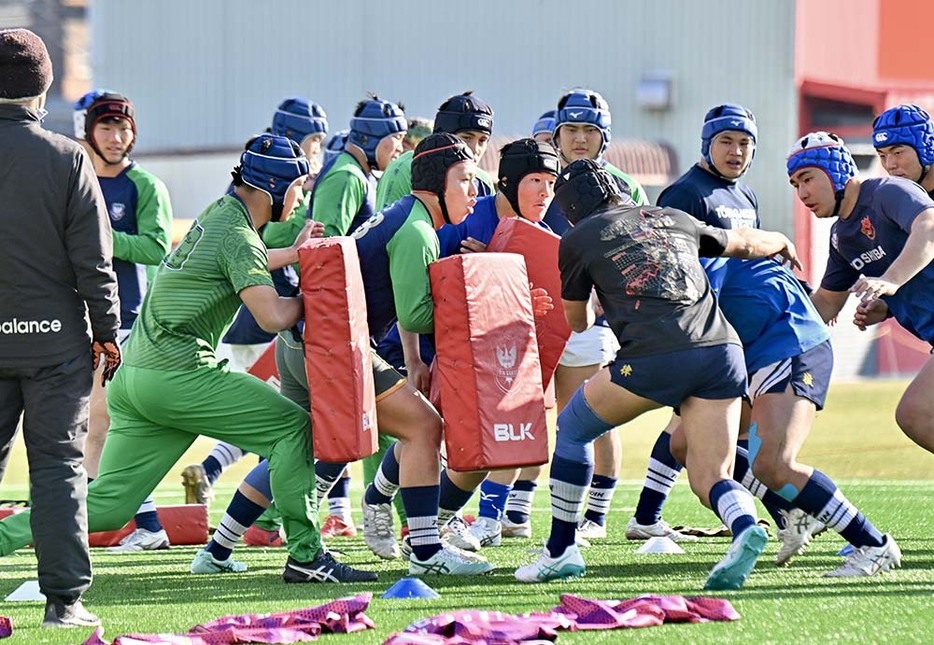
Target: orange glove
{"x":109,"y":351}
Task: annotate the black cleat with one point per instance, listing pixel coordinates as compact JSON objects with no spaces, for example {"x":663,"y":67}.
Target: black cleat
{"x":324,"y":568}
{"x":58,"y":614}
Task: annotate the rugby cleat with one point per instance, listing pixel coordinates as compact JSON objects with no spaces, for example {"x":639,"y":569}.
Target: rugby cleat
{"x":731,"y":572}
{"x":661,"y":528}
{"x":590,"y":530}
{"x":516,"y":529}
{"x":58,"y":614}
{"x":205,"y":562}
{"x":378,"y":532}
{"x":569,"y":564}
{"x":324,"y":568}
{"x":869,"y":560}
{"x":258,"y":536}
{"x":489,"y":532}
{"x":198,"y":489}
{"x":336,"y":526}
{"x":457,"y":533}
{"x":450,"y":561}
{"x":143,"y":540}
{"x":795,"y":537}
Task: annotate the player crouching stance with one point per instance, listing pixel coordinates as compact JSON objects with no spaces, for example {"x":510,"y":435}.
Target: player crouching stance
{"x":643,"y":263}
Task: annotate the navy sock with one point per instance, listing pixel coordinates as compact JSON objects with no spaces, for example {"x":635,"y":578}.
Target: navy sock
{"x":519,"y":504}
{"x":329,"y":471}
{"x":599,"y":498}
{"x":451,"y":499}
{"x":568,"y":482}
{"x":240,"y":514}
{"x":148,"y":520}
{"x":421,"y":507}
{"x":662,"y":472}
{"x":386,"y":481}
{"x":821,"y":498}
{"x":733,"y":505}
{"x":212,"y":468}
{"x":341,"y":488}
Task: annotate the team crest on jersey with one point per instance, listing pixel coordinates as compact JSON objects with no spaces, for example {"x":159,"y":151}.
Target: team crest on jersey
{"x":866,"y":228}
{"x":626,"y":370}
{"x":506,"y":359}
{"x":117,"y":211}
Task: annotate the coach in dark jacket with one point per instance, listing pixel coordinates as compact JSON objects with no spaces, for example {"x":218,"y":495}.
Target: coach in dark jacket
{"x":59,"y":317}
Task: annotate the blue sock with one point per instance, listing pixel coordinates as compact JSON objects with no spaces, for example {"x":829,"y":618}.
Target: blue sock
{"x":240,"y":514}
{"x":600,"y":498}
{"x":733,"y":505}
{"x":493,"y":499}
{"x":660,"y":477}
{"x":568,"y":482}
{"x":772,"y":502}
{"x":212,"y":468}
{"x":821,"y":498}
{"x":519,"y":504}
{"x":386,"y":481}
{"x":421,"y":507}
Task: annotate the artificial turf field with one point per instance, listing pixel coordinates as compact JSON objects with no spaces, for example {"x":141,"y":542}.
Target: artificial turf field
{"x":854,"y":440}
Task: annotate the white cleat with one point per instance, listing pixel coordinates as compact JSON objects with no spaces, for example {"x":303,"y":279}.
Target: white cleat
{"x":569,"y":564}
{"x":795,"y":537}
{"x":516,"y":530}
{"x":143,"y":540}
{"x":590,"y":530}
{"x":378,"y":532}
{"x":661,"y":528}
{"x":206,"y":563}
{"x":457,"y":533}
{"x":489,"y":532}
{"x":869,"y":560}
{"x":450,"y":561}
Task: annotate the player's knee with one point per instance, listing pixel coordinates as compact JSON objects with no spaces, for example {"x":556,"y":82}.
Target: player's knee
{"x":915,"y":417}
{"x":770,"y":470}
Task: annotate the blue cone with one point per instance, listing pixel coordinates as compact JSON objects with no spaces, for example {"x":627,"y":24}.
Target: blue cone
{"x":410,"y":588}
{"x":846,"y":551}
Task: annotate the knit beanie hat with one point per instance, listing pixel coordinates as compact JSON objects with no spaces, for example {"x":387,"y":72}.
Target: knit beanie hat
{"x":25,"y":67}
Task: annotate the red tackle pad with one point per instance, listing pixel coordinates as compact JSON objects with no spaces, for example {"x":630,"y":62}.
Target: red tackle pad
{"x":337,"y":350}
{"x":540,"y":250}
{"x":487,"y":365}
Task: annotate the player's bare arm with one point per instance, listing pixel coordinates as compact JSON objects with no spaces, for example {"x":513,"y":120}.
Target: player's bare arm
{"x":273,"y":312}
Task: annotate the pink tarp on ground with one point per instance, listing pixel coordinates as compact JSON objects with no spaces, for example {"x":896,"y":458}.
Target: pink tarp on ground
{"x":573,"y":614}
{"x":6,"y":627}
{"x":299,"y":625}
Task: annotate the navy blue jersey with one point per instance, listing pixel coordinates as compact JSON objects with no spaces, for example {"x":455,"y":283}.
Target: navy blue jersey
{"x":768,"y":307}
{"x":869,"y":240}
{"x":479,"y":225}
{"x":713,"y":200}
{"x":395,"y":247}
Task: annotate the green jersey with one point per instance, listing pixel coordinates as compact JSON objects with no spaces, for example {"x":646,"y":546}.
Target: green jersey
{"x":196,"y":291}
{"x":396,"y":182}
{"x":342,"y":198}
{"x":638,"y":194}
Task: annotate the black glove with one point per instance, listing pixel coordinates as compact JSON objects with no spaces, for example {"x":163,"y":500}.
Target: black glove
{"x":109,"y":351}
